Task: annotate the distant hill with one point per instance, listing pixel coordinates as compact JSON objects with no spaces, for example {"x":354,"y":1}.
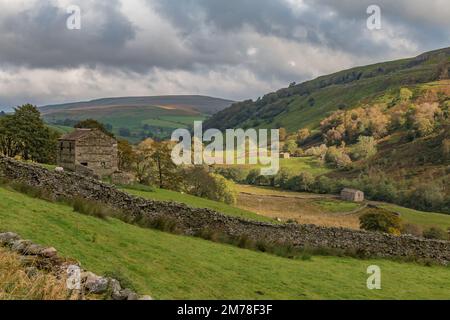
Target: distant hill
{"x":306,"y":104}
{"x":201,"y":104}
{"x":136,"y":118}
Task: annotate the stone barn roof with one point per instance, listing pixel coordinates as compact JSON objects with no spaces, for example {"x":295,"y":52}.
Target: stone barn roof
{"x":79,"y":134}
{"x":75,"y":135}
{"x":349,"y":190}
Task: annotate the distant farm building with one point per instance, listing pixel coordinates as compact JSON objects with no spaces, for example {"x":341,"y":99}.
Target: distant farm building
{"x":285,"y":155}
{"x":88,"y":152}
{"x":352,"y":195}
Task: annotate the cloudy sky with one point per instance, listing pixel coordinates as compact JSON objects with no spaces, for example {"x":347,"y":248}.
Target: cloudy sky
{"x":235,"y":49}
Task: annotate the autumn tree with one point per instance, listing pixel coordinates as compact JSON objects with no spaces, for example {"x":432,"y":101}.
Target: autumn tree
{"x":164,"y":170}
{"x":422,"y":118}
{"x":365,"y":148}
{"x":302,"y":135}
{"x":142,"y":164}
{"x":126,"y":155}
{"x":199,"y":181}
{"x":283,"y":134}
{"x":290,"y":146}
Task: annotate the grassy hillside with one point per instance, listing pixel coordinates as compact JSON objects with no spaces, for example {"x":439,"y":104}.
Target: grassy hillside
{"x":293,"y":165}
{"x":196,"y":202}
{"x":306,"y":104}
{"x":176,"y":267}
{"x":142,"y":116}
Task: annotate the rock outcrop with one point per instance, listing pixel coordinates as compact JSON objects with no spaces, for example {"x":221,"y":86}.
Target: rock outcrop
{"x":35,"y":257}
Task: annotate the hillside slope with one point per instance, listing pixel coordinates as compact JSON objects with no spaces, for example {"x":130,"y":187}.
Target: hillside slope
{"x":177,"y":267}
{"x":306,"y":104}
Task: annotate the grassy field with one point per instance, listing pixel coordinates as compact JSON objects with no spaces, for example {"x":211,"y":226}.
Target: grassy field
{"x":175,"y":267}
{"x":305,"y":208}
{"x":294,"y":165}
{"x":323,"y":209}
{"x":335,"y":206}
{"x":196,"y":202}
{"x":424,"y":219}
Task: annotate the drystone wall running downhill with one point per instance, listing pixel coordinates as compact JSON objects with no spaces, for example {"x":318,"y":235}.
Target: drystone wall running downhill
{"x":191,"y":221}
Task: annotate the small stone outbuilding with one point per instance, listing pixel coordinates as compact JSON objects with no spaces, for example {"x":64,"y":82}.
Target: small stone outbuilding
{"x":352,"y":195}
{"x":88,"y":152}
{"x":285,"y":155}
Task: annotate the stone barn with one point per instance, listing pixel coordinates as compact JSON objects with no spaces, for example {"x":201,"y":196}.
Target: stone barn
{"x":352,"y":195}
{"x":89,"y":152}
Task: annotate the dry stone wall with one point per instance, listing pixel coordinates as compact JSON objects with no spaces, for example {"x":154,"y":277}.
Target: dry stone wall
{"x":35,"y":257}
{"x":191,"y":221}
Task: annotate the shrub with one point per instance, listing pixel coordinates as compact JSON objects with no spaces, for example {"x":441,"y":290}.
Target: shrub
{"x":337,"y":158}
{"x":326,"y":185}
{"x":231,"y":173}
{"x":91,"y":208}
{"x":317,"y":151}
{"x":282,"y":178}
{"x":290,"y":146}
{"x":252,"y":176}
{"x":380,"y":221}
{"x":365,"y":148}
{"x":302,"y":182}
{"x":435,"y":233}
{"x":427,"y":197}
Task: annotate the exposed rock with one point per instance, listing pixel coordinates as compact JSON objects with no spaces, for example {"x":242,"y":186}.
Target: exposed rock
{"x":48,"y":252}
{"x":115,"y":288}
{"x":130,"y":295}
{"x":93,"y":283}
{"x":8,"y":237}
{"x":35,"y":257}
{"x":33,"y":249}
{"x":21,"y":245}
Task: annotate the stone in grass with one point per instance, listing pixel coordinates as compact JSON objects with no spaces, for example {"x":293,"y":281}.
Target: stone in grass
{"x":130,"y":295}
{"x":116,"y":290}
{"x":48,"y":252}
{"x":94,"y":284}
{"x":21,"y":245}
{"x":8,"y":237}
{"x":146,"y":298}
{"x":33,"y":249}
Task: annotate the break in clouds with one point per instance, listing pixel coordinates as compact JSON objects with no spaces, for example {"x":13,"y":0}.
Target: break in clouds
{"x":236,"y":49}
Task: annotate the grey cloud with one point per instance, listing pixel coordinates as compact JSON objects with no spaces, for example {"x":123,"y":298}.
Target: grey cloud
{"x":193,"y":39}
{"x":38,"y":37}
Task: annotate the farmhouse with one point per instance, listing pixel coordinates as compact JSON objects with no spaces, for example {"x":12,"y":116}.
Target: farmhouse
{"x":352,"y":195}
{"x":89,"y":152}
{"x":285,"y":155}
